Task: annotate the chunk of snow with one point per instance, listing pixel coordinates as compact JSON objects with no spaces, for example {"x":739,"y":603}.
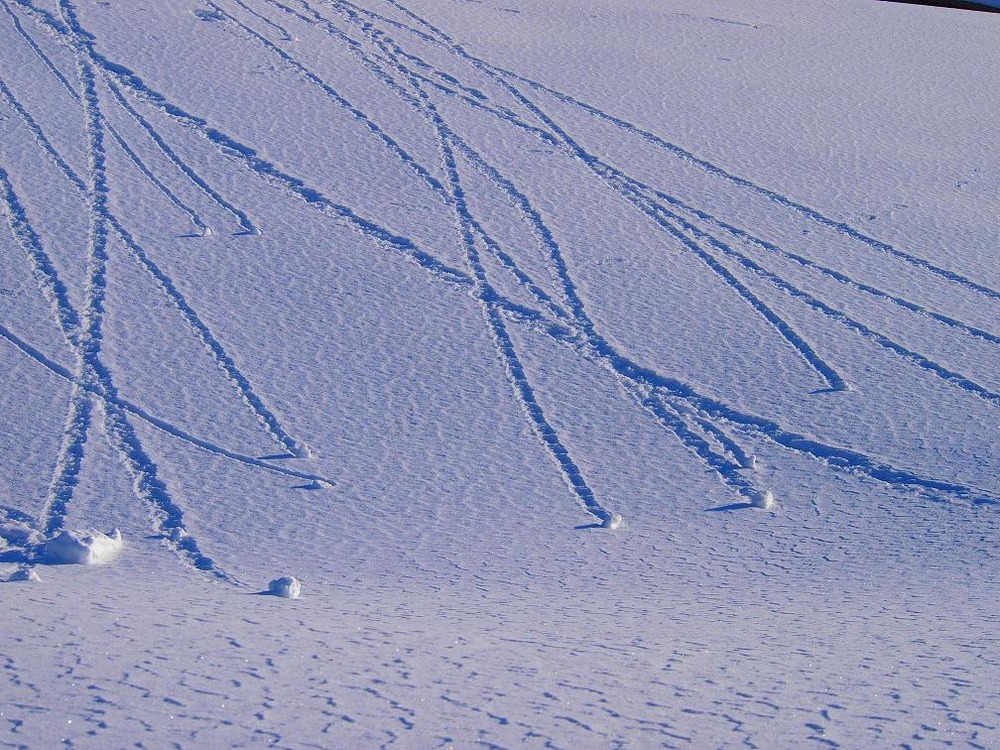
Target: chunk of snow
{"x":176,"y":534}
{"x":87,"y":547}
{"x":24,"y":574}
{"x":612,"y":522}
{"x":763,"y":500}
{"x":287,"y":587}
{"x":17,"y":533}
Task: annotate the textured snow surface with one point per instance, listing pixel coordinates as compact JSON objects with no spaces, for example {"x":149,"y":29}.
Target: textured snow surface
{"x":418,"y":299}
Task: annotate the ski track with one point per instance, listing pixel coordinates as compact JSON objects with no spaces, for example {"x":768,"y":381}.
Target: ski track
{"x":200,"y":227}
{"x":84,"y":333}
{"x":702,"y":424}
{"x":246,"y":225}
{"x":778,"y":198}
{"x":87,"y":344}
{"x":241,"y":383}
{"x":655,"y":212}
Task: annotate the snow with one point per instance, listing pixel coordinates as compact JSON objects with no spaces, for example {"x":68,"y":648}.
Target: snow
{"x":612,"y":522}
{"x":25,"y":574}
{"x":83,"y":547}
{"x":764,"y":500}
{"x":287,"y":587}
{"x":420,"y":298}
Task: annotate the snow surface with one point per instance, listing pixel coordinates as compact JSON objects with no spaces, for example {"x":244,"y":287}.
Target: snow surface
{"x":416,"y":299}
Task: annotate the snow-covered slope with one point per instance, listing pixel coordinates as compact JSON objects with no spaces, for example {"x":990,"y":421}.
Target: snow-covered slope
{"x":609,"y":373}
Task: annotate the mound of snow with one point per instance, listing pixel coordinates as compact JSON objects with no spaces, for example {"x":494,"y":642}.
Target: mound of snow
{"x":87,"y":547}
{"x":24,"y":574}
{"x":16,"y":533}
{"x":177,"y":534}
{"x":612,"y":522}
{"x":287,"y":587}
{"x":764,"y":500}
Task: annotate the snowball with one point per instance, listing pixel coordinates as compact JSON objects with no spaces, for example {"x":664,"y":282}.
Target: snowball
{"x":764,"y":500}
{"x":612,"y":522}
{"x":24,"y":574}
{"x":177,"y":534}
{"x":287,"y":587}
{"x":87,"y":547}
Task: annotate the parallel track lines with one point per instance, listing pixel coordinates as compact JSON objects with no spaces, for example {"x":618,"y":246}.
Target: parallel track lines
{"x":708,"y":427}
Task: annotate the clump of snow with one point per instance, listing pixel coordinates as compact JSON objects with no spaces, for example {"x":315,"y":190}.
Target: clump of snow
{"x":177,"y":534}
{"x":16,"y":533}
{"x":287,"y":587}
{"x":764,"y":500}
{"x":24,"y":574}
{"x":612,"y":522}
{"x":86,"y":547}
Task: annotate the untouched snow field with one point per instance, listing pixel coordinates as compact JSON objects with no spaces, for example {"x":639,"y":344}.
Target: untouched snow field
{"x":610,"y":373}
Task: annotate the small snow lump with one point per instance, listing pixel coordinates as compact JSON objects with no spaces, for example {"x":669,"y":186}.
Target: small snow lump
{"x":764,"y":500}
{"x":24,"y":574}
{"x":86,"y":547}
{"x":287,"y":587}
